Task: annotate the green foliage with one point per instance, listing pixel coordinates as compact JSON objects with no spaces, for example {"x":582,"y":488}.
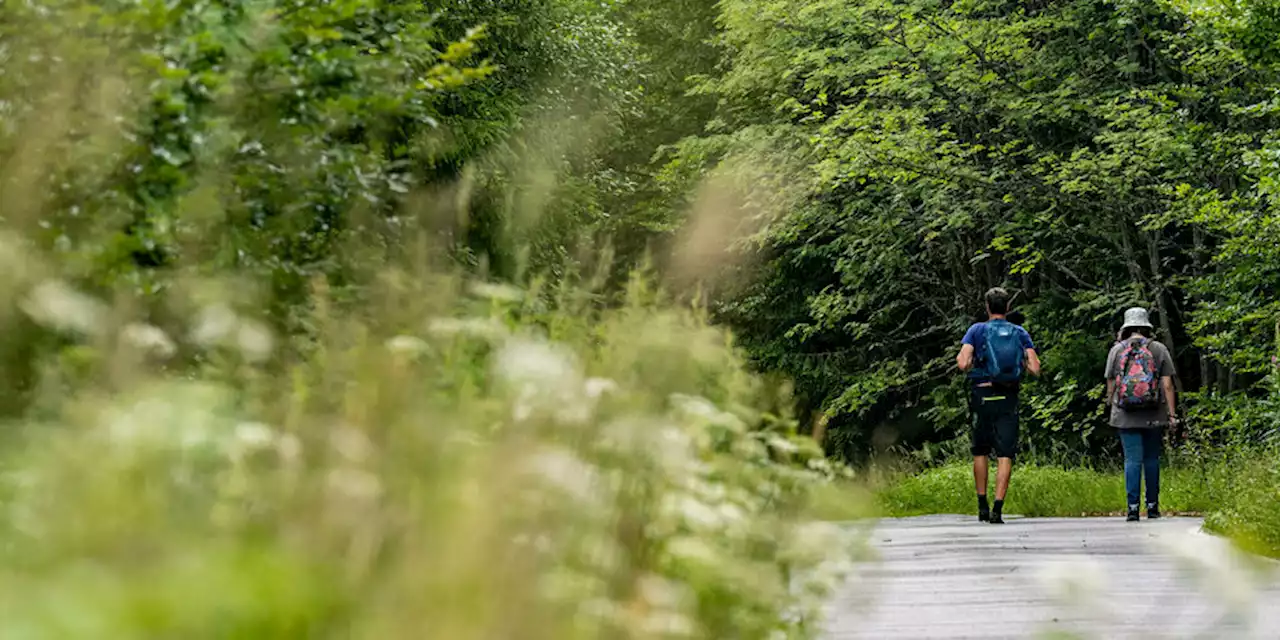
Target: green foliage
{"x":1088,"y":156}
{"x":1251,"y":517}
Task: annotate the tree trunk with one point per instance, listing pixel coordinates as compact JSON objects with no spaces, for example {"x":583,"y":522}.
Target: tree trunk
{"x":820,"y":428}
{"x":1206,"y":368}
{"x":1130,"y":260}
{"x":1159,"y":296}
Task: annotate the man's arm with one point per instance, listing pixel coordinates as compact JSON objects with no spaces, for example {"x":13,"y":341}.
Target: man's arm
{"x":964,"y":359}
{"x":1111,"y":390}
{"x":1167,"y":383}
{"x":1033,"y":362}
{"x":1032,"y":358}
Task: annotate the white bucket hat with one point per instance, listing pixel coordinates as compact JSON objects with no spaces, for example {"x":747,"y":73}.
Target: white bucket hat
{"x":1136,"y":317}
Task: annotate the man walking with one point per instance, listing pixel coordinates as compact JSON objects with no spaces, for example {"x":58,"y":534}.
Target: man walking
{"x":995,"y":353}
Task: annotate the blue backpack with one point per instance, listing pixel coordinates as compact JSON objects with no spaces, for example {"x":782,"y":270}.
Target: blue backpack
{"x":1002,"y":361}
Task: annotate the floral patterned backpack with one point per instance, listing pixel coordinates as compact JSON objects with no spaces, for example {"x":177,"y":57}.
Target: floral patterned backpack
{"x":1136,"y":385}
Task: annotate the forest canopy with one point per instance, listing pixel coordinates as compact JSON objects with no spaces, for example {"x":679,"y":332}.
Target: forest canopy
{"x":841,"y":180}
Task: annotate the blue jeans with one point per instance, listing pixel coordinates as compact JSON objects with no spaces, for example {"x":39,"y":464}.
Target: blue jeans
{"x":1142,"y":457}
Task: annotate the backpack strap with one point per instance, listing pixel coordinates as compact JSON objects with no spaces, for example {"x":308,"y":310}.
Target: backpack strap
{"x":989,"y":358}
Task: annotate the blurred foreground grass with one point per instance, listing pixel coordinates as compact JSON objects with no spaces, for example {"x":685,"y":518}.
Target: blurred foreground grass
{"x":249,"y":395}
{"x":472,"y":466}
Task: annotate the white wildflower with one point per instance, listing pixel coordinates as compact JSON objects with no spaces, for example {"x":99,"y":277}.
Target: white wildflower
{"x":782,"y":445}
{"x":289,"y":448}
{"x":709,"y":491}
{"x":667,"y":624}
{"x":352,"y":444}
{"x":597,"y":387}
{"x":54,"y":304}
{"x":496,"y":292}
{"x":817,"y":541}
{"x":545,"y":377}
{"x":536,"y":362}
{"x":565,"y":471}
{"x":214,"y":325}
{"x":1218,"y":565}
{"x":250,"y":437}
{"x":407,"y":345}
{"x":482,"y":328}
{"x":820,"y":534}
{"x":1074,"y":580}
{"x":696,"y":513}
{"x":695,"y":406}
{"x":254,"y":435}
{"x":525,"y":403}
{"x":827,"y":574}
{"x":749,"y":449}
{"x":567,"y":585}
{"x":149,"y":339}
{"x":693,"y":550}
{"x":355,"y":484}
{"x":821,"y":465}
{"x":574,"y":409}
{"x":627,"y":434}
{"x":179,"y":416}
{"x":701,"y":409}
{"x":675,"y":449}
{"x":600,"y":609}
{"x":661,"y":593}
{"x":539,"y":544}
{"x":731,"y":513}
{"x":254,"y":340}
{"x":602,"y":554}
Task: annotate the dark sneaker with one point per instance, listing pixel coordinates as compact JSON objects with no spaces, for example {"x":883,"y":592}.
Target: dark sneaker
{"x":984,"y":515}
{"x":1133,"y":515}
{"x":997,"y":518}
{"x":1153,"y":512}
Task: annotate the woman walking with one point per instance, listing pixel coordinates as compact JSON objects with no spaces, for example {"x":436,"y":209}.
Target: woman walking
{"x":1140,"y":393}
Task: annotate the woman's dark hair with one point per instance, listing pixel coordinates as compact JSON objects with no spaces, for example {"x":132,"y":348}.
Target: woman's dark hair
{"x":1016,"y":317}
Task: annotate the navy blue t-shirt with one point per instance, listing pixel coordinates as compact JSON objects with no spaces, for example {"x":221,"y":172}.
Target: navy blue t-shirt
{"x":977,"y":336}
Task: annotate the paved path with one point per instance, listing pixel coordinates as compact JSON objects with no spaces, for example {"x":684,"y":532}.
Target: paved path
{"x":953,"y":577}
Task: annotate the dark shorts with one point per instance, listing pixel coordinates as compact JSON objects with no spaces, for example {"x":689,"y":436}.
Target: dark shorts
{"x":995,"y":422}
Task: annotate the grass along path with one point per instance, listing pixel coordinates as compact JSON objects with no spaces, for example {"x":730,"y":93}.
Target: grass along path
{"x":1040,"y":491}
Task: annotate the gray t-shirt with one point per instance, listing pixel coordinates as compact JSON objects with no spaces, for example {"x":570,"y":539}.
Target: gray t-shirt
{"x":1152,"y":418}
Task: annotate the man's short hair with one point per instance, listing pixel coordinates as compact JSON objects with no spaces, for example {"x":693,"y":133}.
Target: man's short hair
{"x":997,"y":301}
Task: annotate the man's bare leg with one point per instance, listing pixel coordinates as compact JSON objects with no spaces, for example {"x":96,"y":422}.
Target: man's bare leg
{"x":980,"y":474}
{"x":980,"y":470}
{"x":1004,"y":469}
